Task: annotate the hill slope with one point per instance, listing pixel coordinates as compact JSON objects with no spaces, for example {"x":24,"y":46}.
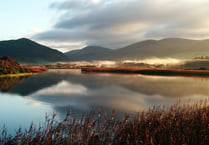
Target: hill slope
{"x":169,"y":47}
{"x":89,"y":53}
{"x":9,"y":66}
{"x":26,"y":51}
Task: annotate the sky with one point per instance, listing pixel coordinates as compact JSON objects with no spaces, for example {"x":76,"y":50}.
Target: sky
{"x":73,"y":24}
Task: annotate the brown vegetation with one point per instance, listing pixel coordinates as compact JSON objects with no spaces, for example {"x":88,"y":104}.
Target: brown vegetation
{"x":180,"y":124}
{"x":147,"y":71}
{"x":10,"y":66}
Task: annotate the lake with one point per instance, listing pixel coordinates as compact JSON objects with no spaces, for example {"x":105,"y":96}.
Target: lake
{"x":27,"y":99}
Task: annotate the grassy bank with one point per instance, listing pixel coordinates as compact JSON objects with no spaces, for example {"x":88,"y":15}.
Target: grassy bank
{"x":180,"y":124}
{"x":147,"y":71}
{"x":28,"y":71}
{"x":16,"y":75}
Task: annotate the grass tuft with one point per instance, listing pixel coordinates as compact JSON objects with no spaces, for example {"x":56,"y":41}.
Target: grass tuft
{"x":179,"y":124}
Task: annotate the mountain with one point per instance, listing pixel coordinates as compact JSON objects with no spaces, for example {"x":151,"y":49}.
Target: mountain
{"x":26,"y":51}
{"x":89,"y":53}
{"x":168,"y":47}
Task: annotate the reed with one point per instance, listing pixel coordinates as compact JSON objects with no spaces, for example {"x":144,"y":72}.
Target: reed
{"x":179,"y":124}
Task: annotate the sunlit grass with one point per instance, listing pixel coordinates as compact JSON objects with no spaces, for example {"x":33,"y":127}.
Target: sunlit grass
{"x":179,"y":124}
{"x":16,"y":75}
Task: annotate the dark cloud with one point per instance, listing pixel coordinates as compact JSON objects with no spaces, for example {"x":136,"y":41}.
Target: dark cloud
{"x":115,"y":23}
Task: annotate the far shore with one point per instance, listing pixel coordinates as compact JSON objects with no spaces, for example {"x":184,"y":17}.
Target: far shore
{"x":147,"y":71}
{"x":129,"y":70}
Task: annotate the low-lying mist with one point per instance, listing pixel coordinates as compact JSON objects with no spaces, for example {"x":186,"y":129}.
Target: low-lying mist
{"x":149,"y":62}
{"x":145,"y":63}
{"x":157,"y":61}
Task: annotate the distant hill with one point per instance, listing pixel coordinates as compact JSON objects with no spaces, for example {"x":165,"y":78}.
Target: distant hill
{"x":26,"y":51}
{"x":88,"y":53}
{"x":169,"y":47}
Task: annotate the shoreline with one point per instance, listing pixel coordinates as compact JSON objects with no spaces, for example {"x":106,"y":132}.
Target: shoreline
{"x":17,"y":75}
{"x":147,"y":71}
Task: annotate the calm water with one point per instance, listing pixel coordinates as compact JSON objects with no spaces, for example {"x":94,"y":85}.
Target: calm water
{"x":23,"y":100}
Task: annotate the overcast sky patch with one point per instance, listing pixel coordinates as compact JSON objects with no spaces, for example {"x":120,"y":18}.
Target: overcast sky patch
{"x":117,"y":23}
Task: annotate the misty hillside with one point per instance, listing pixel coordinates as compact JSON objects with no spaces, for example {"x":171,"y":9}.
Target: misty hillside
{"x":169,"y":47}
{"x":89,"y":53}
{"x":26,"y":51}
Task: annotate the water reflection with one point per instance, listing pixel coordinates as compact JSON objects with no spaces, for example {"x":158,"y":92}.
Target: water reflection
{"x":7,"y":83}
{"x":62,"y":89}
{"x":36,"y":83}
{"x":18,"y":112}
{"x":125,"y":93}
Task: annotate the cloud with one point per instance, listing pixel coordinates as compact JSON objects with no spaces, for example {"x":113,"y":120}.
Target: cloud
{"x":63,"y":46}
{"x":116,"y":23}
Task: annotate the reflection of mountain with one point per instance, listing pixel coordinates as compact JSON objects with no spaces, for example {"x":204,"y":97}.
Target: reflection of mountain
{"x":125,"y":93}
{"x":61,"y":90}
{"x":148,"y":85}
{"x":111,"y":92}
{"x":7,"y":83}
{"x":35,"y":83}
{"x":65,"y":95}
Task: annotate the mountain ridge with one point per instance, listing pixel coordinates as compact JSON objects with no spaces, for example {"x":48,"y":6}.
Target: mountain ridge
{"x":27,"y":51}
{"x":88,"y":53}
{"x":179,"y":48}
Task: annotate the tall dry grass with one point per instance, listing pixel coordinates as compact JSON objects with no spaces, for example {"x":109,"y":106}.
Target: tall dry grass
{"x":179,"y":124}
